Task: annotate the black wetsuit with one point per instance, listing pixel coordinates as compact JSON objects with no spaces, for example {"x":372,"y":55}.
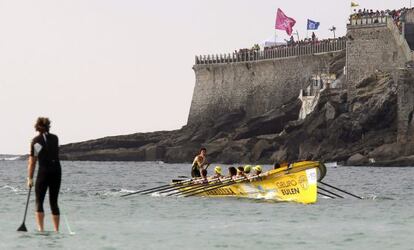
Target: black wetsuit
{"x":46,"y":148}
{"x":195,"y":171}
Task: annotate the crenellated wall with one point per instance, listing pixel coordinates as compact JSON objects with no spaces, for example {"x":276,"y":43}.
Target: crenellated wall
{"x":255,"y":86}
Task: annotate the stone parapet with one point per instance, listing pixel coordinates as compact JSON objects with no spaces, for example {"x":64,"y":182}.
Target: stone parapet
{"x":326,"y":46}
{"x":362,"y":22}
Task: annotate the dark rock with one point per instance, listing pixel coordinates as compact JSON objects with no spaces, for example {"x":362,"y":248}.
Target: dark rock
{"x":386,"y":151}
{"x":260,"y":149}
{"x":270,"y":123}
{"x":357,"y":160}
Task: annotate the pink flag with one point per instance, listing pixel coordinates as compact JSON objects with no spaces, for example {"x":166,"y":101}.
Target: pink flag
{"x":284,"y":22}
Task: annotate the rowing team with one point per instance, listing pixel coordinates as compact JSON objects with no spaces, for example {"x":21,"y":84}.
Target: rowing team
{"x":233,"y":173}
{"x":199,"y":170}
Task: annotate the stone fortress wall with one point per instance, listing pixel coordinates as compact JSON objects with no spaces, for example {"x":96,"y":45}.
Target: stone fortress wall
{"x":259,"y":82}
{"x":377,"y":44}
{"x":256,"y":82}
{"x":373,"y":44}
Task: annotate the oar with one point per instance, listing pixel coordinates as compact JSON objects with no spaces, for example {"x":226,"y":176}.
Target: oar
{"x":231,"y":182}
{"x":329,"y":192}
{"x":175,"y":188}
{"x":343,"y":191}
{"x":327,"y":195}
{"x":23,"y":228}
{"x":195,"y":186}
{"x":200,"y":186}
{"x":166,"y":188}
{"x":154,"y":189}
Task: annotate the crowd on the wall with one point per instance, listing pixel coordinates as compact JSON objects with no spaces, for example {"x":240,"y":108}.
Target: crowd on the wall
{"x":396,"y":15}
{"x":313,"y":40}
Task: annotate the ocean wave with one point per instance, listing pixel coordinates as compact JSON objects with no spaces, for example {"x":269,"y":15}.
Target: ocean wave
{"x":126,"y":191}
{"x":14,"y":189}
{"x":14,"y":158}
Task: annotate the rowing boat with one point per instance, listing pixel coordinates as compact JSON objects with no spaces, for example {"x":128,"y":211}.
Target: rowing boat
{"x":296,"y":182}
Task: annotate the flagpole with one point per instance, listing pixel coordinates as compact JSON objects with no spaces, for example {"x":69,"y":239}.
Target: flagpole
{"x":275,"y":35}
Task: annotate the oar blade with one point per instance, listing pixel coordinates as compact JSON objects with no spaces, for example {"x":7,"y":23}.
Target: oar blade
{"x":22,"y":228}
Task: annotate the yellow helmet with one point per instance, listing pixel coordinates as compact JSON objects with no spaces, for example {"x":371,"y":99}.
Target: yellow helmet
{"x":247,"y":169}
{"x":217,"y":169}
{"x":258,"y":168}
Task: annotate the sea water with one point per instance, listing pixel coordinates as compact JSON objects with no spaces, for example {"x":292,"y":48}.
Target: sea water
{"x":100,"y":219}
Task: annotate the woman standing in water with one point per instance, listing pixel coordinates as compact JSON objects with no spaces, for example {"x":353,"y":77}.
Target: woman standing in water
{"x":45,"y":149}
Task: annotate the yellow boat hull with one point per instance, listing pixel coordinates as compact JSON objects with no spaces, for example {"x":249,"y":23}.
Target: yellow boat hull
{"x":297,"y":183}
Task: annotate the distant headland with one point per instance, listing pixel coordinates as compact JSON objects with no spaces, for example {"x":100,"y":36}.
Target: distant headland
{"x":348,"y":99}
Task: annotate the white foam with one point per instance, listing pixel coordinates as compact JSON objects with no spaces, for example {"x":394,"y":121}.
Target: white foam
{"x":10,"y":158}
{"x":127,"y":191}
{"x":14,"y":189}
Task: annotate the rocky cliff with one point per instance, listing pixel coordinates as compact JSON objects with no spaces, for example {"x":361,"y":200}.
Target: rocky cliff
{"x":367,"y":134}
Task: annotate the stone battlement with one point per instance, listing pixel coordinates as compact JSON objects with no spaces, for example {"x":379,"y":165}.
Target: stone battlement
{"x":361,"y":22}
{"x":325,"y":46}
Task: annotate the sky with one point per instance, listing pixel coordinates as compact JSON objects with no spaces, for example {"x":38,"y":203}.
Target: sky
{"x":100,"y":68}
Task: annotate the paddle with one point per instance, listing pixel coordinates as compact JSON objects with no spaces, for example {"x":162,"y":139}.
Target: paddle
{"x":154,"y":189}
{"x":23,"y":228}
{"x":343,"y":191}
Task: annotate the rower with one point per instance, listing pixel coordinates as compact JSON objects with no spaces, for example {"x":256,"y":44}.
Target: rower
{"x":276,"y":165}
{"x":258,"y":169}
{"x":232,"y":172}
{"x":217,"y":173}
{"x":240,"y":172}
{"x":204,"y":175}
{"x":199,"y":163}
{"x":247,"y":170}
{"x":284,"y":164}
{"x":203,"y":178}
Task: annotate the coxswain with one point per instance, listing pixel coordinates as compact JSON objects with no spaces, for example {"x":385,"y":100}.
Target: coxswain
{"x":199,"y":163}
{"x":276,"y":165}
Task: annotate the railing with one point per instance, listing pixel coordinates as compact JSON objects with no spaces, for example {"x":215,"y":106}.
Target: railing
{"x":365,"y":21}
{"x":273,"y":53}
